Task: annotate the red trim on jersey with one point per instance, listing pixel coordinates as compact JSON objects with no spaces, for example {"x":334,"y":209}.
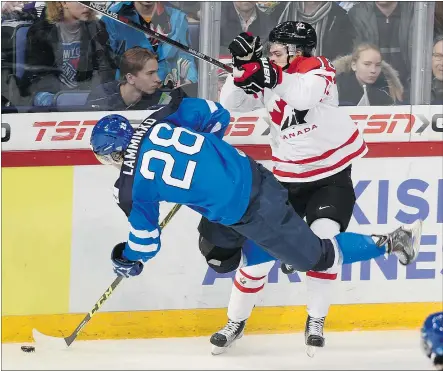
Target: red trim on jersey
{"x":329,"y":80}
{"x":321,"y":275}
{"x":308,"y":174}
{"x":306,"y":64}
{"x":327,"y":154}
{"x":294,"y":66}
{"x":248,"y":290}
{"x":251,"y":277}
{"x":326,"y":64}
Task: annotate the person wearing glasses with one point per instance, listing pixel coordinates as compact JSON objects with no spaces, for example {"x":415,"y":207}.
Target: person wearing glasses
{"x":437,"y":71}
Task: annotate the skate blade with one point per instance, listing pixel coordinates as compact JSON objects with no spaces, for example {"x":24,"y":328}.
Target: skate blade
{"x":416,"y":229}
{"x":215,"y":351}
{"x":220,"y":350}
{"x":310,"y":351}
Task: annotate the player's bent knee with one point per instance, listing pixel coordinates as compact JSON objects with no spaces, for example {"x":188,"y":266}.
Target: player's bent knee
{"x":252,"y":279}
{"x":339,"y":216}
{"x":221,"y":260}
{"x":258,"y":270}
{"x":325,"y":228}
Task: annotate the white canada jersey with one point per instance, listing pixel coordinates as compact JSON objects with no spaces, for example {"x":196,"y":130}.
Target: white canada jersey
{"x":311,"y":138}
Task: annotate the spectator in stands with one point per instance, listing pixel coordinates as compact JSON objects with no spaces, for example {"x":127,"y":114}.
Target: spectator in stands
{"x":335,"y":32}
{"x":364,"y":79}
{"x":267,"y":7}
{"x":388,"y":25}
{"x":68,"y":50}
{"x":164,"y":19}
{"x":19,"y":11}
{"x":190,"y":8}
{"x":138,"y":85}
{"x":437,"y":71}
{"x":242,"y":16}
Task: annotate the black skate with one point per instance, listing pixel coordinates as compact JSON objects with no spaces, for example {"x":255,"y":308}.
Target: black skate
{"x":403,"y":242}
{"x":314,"y":334}
{"x":223,"y":339}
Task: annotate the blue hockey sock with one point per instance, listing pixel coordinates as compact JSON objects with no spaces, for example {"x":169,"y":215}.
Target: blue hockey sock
{"x":358,"y":247}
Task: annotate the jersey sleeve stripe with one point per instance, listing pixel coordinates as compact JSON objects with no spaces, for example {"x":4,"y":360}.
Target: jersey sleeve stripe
{"x":212,"y":106}
{"x":141,"y":233}
{"x":142,"y":248}
{"x":216,"y":127}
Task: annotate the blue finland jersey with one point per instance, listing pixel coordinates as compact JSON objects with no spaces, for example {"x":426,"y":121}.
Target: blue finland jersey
{"x":184,"y":160}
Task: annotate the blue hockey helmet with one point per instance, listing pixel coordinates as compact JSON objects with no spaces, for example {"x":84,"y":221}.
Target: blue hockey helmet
{"x":432,"y":338}
{"x":110,"y":137}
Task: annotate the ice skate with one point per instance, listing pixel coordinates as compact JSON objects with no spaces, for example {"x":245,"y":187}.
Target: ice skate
{"x":225,"y":338}
{"x":314,"y":334}
{"x":403,"y":242}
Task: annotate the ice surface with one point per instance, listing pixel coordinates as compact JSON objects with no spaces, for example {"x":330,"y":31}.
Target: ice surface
{"x":374,"y":350}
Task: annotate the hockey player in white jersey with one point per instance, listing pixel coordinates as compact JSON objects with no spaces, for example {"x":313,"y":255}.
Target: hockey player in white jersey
{"x":313,"y":145}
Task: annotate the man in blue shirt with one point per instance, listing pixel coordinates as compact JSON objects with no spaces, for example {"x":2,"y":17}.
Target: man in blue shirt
{"x":174,"y":65}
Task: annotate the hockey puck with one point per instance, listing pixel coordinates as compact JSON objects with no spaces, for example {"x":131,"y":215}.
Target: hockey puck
{"x":28,"y":349}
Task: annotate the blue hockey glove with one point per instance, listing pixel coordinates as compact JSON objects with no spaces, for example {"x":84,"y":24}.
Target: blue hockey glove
{"x":122,"y":266}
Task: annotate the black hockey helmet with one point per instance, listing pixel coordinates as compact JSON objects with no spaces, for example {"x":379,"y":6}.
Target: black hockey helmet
{"x":300,"y":34}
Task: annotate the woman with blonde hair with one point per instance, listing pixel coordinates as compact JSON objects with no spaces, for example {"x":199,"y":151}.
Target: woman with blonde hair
{"x":364,"y":79}
{"x":68,"y":50}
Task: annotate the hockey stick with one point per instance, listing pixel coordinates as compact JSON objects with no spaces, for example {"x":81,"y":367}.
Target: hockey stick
{"x":99,"y":8}
{"x":63,"y":343}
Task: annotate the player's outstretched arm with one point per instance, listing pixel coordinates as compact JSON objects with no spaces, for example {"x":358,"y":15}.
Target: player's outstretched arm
{"x":236,"y":100}
{"x":143,"y":241}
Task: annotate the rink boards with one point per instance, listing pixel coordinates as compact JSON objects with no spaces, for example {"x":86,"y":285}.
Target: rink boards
{"x":60,"y":223}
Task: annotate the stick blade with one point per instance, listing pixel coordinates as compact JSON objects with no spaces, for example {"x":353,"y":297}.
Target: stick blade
{"x":49,"y":342}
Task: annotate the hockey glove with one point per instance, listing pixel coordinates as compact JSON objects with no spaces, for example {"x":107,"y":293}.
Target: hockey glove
{"x":245,"y":48}
{"x":254,"y":77}
{"x":122,"y":266}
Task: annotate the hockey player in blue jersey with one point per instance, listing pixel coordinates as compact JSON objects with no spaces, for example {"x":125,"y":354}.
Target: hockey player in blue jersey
{"x":432,"y":339}
{"x":177,"y":155}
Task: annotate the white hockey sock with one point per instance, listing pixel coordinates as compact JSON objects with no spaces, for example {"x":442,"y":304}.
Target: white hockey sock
{"x":248,"y":283}
{"x":320,"y":285}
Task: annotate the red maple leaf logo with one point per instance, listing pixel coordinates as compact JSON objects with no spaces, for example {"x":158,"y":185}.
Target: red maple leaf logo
{"x":277,"y":115}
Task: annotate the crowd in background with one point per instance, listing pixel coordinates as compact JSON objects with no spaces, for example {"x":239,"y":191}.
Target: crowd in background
{"x":50,"y":49}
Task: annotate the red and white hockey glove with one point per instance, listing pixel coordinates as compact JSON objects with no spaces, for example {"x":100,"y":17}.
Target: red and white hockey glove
{"x":254,"y":77}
